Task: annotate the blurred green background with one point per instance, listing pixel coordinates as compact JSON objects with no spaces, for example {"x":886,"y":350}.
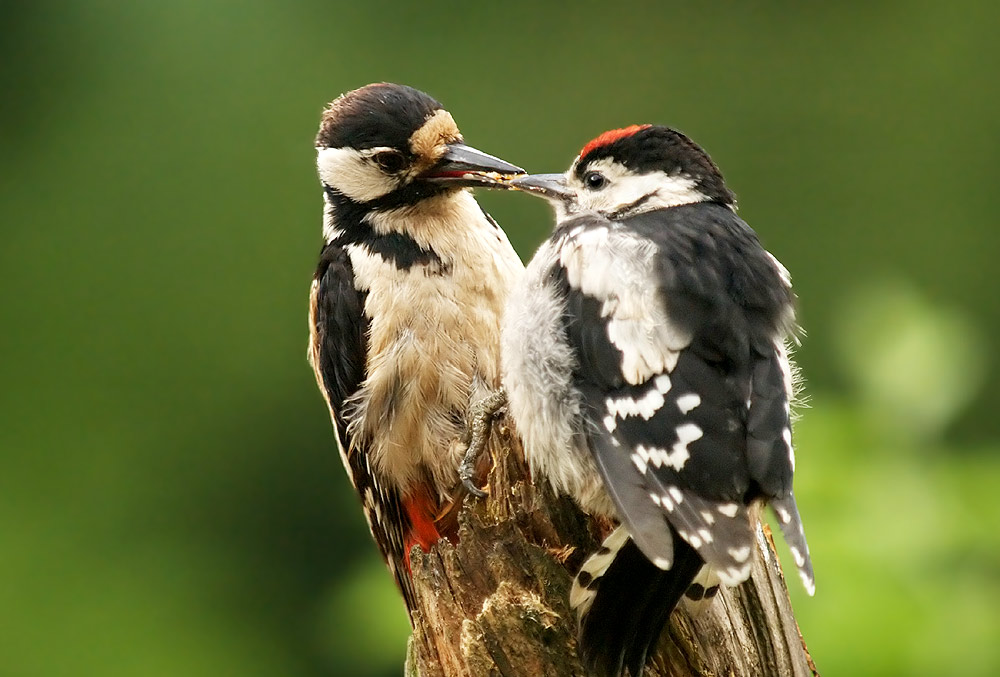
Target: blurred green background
{"x":171,"y":502}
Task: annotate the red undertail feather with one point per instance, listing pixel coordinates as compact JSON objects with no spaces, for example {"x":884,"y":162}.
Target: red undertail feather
{"x":611,"y":136}
{"x":421,"y":509}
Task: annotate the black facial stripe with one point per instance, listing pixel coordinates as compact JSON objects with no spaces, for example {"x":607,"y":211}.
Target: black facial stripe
{"x":401,"y":249}
{"x":406,"y":195}
{"x":622,"y":211}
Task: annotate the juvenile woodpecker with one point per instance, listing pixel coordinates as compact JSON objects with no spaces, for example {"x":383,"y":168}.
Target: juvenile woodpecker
{"x":405,"y":306}
{"x":646,"y":368}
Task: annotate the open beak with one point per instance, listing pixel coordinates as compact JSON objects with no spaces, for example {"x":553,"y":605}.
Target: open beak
{"x":549,"y":186}
{"x":463,"y":165}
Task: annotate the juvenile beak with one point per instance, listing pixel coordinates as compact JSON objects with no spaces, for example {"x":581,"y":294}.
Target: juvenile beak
{"x":549,"y":186}
{"x":463,"y":165}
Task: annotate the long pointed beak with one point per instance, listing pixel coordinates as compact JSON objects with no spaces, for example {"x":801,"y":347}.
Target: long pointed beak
{"x":463,"y":165}
{"x":549,"y":186}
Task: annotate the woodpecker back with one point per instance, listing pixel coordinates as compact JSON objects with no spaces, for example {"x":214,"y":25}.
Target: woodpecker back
{"x":645,"y":364}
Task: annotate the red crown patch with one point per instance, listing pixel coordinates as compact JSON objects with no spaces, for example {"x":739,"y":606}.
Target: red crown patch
{"x":611,"y":136}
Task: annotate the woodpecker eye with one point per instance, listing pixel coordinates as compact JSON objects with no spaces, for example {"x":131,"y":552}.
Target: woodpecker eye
{"x":389,"y":161}
{"x":594,"y":180}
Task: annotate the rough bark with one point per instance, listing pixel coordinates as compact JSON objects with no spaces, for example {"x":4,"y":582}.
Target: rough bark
{"x":496,"y":602}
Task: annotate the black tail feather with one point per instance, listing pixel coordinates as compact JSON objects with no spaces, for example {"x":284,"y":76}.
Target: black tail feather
{"x":633,"y":603}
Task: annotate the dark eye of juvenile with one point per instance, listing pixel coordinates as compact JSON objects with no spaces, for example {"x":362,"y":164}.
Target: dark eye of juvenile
{"x":389,"y":161}
{"x":594,"y":180}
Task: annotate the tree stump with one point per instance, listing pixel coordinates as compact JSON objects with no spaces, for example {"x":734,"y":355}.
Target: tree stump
{"x":497,"y":602}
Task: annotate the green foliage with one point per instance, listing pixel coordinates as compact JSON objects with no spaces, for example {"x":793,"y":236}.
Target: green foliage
{"x":170,"y":498}
{"x":914,"y":366}
{"x":905,"y":548}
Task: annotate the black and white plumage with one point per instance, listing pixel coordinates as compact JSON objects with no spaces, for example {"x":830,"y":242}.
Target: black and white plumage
{"x":405,"y":306}
{"x":646,"y":370}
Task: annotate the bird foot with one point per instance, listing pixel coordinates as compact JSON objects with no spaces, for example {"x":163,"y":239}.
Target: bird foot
{"x":478,"y":424}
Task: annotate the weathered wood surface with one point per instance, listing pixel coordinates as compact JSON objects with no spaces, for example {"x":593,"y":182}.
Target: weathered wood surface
{"x":496,"y":603}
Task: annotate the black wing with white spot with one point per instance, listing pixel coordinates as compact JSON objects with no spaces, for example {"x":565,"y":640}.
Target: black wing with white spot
{"x":337,"y":352}
{"x":688,"y":456}
{"x":675,"y":317}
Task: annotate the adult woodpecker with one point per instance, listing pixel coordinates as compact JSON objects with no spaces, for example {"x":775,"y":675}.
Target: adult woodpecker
{"x":405,"y":306}
{"x":646,"y":369}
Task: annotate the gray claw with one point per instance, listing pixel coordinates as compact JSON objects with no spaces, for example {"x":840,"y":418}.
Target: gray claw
{"x":480,"y":419}
{"x":471,"y":487}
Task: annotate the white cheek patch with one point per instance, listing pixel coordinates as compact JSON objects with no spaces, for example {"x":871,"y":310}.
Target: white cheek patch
{"x":625,"y":188}
{"x":348,"y":172}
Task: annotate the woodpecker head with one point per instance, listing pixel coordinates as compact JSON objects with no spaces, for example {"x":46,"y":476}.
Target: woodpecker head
{"x":386,"y":146}
{"x":629,"y":171}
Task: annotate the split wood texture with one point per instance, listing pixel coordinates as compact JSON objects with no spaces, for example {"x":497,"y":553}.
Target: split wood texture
{"x":496,"y":603}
